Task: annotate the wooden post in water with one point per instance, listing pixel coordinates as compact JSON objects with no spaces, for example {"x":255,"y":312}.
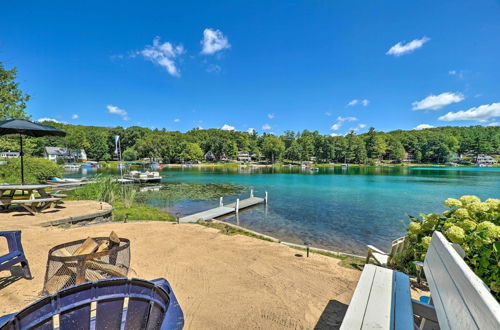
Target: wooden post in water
{"x":221,"y":202}
{"x":265,"y":198}
{"x":251,"y":193}
{"x":237,"y":205}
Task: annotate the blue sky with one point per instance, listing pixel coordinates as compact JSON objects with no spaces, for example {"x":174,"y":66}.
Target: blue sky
{"x":329,"y":66}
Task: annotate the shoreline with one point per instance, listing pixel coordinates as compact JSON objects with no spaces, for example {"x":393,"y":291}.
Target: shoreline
{"x":292,"y":245}
{"x":114,"y":164}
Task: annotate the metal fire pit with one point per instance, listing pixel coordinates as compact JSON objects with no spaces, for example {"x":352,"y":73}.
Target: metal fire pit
{"x":65,"y":270}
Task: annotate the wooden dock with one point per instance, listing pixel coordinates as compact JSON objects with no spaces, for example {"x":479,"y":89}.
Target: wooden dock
{"x":224,"y":209}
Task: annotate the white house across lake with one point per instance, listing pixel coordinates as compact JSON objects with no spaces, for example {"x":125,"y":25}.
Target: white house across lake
{"x":76,"y":155}
{"x":485,"y":160}
{"x":9,"y":154}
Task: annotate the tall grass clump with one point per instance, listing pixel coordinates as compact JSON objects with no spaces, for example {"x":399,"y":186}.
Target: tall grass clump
{"x":123,"y":199}
{"x":104,"y":189}
{"x":128,"y":193}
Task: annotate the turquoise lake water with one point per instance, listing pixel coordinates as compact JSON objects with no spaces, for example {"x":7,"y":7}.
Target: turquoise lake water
{"x":338,"y":208}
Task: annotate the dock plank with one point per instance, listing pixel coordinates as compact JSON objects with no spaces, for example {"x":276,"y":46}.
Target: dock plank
{"x":247,"y":202}
{"x":208,"y":214}
{"x":221,"y":210}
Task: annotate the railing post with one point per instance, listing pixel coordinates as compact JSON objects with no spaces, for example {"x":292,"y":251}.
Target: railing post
{"x":221,"y":202}
{"x":251,"y":193}
{"x":265,"y":198}
{"x":237,"y":205}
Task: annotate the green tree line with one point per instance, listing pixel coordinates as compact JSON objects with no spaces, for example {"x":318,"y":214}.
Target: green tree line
{"x":435,"y":145}
{"x":429,"y":145}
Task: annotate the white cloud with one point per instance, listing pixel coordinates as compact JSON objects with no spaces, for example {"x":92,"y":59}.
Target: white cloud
{"x":354,"y":102}
{"x":213,"y":42}
{"x":336,"y":126}
{"x":266,"y":127}
{"x":494,"y":124}
{"x":177,"y":120}
{"x":334,"y":134}
{"x":213,"y":68}
{"x":340,"y":120}
{"x":459,"y":74}
{"x":480,"y":114}
{"x":50,"y":119}
{"x":270,"y":115}
{"x":251,"y":130}
{"x":164,"y":55}
{"x":436,"y":102}
{"x":355,"y":129}
{"x":328,"y":114}
{"x":227,"y":127}
{"x":114,"y":110}
{"x":75,"y":116}
{"x":401,"y":49}
{"x":423,"y":126}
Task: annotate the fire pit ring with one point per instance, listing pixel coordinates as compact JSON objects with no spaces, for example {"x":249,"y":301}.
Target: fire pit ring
{"x":65,"y":269}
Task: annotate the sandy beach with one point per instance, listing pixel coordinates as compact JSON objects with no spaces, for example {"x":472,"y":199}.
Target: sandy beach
{"x":222,"y":282}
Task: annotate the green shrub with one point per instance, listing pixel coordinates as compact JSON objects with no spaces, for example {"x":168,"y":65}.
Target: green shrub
{"x":139,"y":212}
{"x":473,"y":224}
{"x":36,"y":170}
{"x":130,"y":154}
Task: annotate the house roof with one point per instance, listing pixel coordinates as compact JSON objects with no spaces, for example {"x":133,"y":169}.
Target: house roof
{"x":56,"y":151}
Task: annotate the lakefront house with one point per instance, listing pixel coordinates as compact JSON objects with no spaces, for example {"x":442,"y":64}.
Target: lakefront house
{"x":485,"y":160}
{"x":9,"y":154}
{"x":244,"y":156}
{"x":53,"y":153}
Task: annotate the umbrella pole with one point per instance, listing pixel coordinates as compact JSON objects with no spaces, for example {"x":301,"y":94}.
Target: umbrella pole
{"x":22,"y":158}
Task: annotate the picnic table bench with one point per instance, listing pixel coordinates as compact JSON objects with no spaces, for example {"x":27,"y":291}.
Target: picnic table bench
{"x":459,"y":299}
{"x":28,"y":198}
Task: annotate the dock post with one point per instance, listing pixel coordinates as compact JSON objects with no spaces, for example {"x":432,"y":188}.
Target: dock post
{"x":237,"y":205}
{"x":265,"y":198}
{"x":221,"y":203}
{"x":251,"y":193}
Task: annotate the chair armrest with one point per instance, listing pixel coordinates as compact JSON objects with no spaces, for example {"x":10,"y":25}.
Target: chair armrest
{"x":426,"y":311}
{"x":6,"y":318}
{"x":373,"y":248}
{"x":174,"y":319}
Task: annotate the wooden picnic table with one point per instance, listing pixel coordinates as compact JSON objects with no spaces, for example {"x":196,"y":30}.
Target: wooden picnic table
{"x":31,"y":189}
{"x":28,"y":198}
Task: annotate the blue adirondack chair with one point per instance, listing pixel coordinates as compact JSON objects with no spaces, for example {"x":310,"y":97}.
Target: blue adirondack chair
{"x":16,"y":253}
{"x":118,"y":303}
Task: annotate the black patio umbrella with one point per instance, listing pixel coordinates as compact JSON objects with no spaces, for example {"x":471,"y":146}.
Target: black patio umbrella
{"x":26,"y":127}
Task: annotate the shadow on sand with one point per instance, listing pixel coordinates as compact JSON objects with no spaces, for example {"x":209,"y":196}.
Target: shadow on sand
{"x":16,"y":275}
{"x":332,"y":315}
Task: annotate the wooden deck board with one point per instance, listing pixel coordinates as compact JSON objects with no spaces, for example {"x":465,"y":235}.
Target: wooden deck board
{"x":221,"y":210}
{"x":247,"y":202}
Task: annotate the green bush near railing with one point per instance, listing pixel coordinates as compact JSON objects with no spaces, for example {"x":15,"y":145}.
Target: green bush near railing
{"x":472,"y":224}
